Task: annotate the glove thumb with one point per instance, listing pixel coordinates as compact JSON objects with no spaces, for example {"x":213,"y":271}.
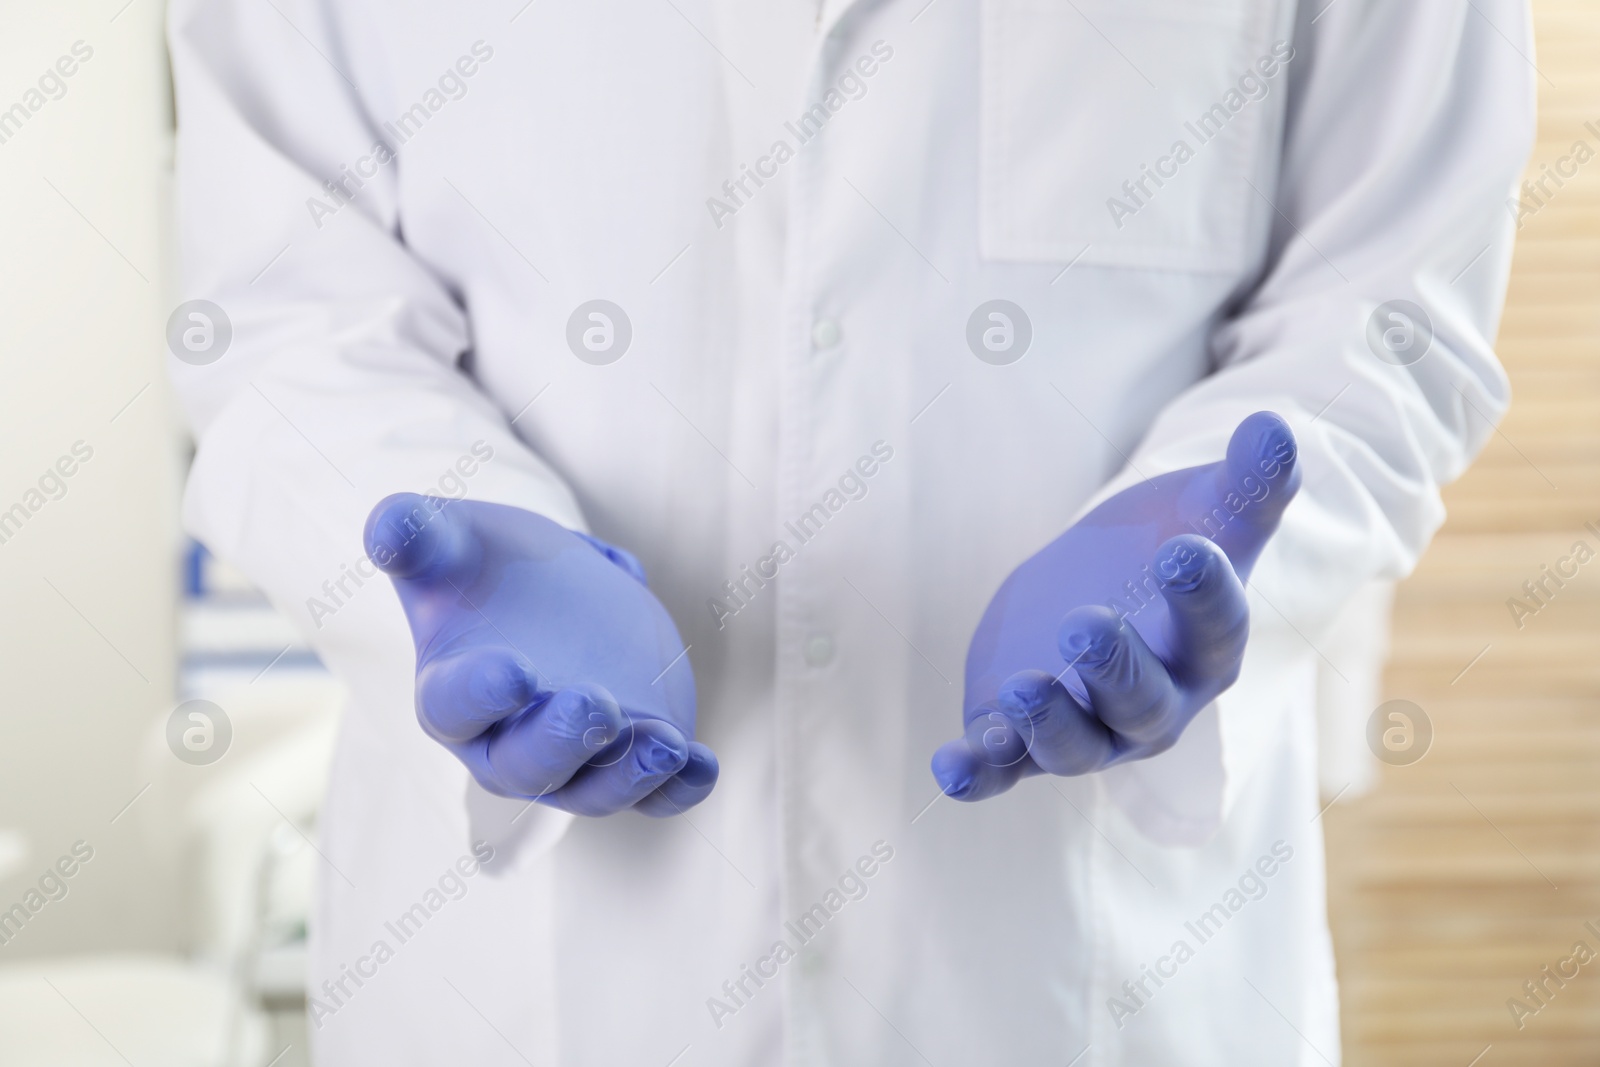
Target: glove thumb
{"x":418,"y":537}
{"x":1252,"y":487}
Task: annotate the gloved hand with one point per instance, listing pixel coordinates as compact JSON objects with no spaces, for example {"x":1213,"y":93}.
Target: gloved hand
{"x":1103,"y":646}
{"x":543,"y":660}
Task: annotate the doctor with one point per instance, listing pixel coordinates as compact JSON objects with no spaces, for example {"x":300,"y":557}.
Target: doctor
{"x":945,"y":369}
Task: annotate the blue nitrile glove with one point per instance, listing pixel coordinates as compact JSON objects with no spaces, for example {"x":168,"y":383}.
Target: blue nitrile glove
{"x":544,"y":662}
{"x":1103,"y":646}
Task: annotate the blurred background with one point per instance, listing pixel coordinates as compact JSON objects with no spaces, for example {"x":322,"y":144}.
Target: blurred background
{"x":166,"y":734}
{"x":1458,"y":878}
{"x":155,"y":849}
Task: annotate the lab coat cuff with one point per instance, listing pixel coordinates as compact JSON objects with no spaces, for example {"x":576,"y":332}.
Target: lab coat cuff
{"x":1178,"y":797}
{"x":1183,"y":796}
{"x":521,"y":831}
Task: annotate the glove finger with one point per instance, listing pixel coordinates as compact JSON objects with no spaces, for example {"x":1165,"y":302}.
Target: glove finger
{"x":541,"y":749}
{"x":459,"y":696}
{"x":1206,"y":608}
{"x":631,"y":768}
{"x":990,"y":759}
{"x":620,"y":556}
{"x":1128,"y":686}
{"x":419,"y":537}
{"x":1063,"y":737}
{"x":1255,"y":483}
{"x":686,"y":788}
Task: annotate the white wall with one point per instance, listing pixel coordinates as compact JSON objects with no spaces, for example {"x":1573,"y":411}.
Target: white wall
{"x":83,"y":302}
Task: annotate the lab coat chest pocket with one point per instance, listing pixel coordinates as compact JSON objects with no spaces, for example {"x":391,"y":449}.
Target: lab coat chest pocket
{"x":1127,"y":133}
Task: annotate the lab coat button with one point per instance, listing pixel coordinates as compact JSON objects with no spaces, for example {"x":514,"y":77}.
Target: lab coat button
{"x":819,"y":650}
{"x":825,"y":333}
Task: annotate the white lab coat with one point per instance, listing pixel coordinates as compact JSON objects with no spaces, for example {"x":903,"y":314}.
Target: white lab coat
{"x":775,"y":340}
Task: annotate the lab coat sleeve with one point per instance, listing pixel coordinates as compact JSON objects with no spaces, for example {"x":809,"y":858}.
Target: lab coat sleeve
{"x":342,"y":383}
{"x":1407,"y":127}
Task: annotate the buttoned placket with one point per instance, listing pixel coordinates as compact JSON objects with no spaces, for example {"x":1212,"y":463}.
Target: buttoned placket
{"x":806,"y":643}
